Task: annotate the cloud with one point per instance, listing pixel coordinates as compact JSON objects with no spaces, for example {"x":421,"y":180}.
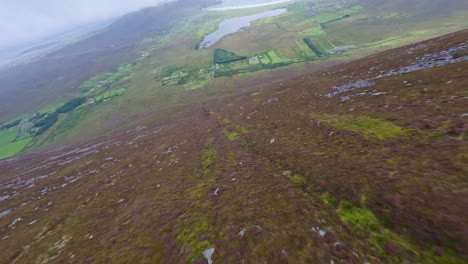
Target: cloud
{"x":22,"y":21}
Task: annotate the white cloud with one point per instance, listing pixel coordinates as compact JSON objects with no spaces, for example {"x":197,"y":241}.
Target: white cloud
{"x":22,"y":21}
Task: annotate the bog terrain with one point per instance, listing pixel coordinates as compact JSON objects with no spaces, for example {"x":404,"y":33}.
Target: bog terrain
{"x":335,"y":132}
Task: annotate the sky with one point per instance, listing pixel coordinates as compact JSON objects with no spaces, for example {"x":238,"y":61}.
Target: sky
{"x":24,"y":21}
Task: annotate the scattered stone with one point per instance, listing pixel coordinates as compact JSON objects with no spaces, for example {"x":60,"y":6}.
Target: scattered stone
{"x":272,"y":141}
{"x":17,"y":220}
{"x":121,"y":201}
{"x":271,"y":100}
{"x":320,"y":231}
{"x":4,"y":213}
{"x":233,"y":179}
{"x":242,"y":232}
{"x":169,"y":150}
{"x":3,"y":198}
{"x":54,"y":251}
{"x":285,"y":254}
{"x":336,"y":244}
{"x":208,"y":254}
{"x":350,"y":86}
{"x":427,"y":61}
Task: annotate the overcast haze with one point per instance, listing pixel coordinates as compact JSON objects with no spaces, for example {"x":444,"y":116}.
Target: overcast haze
{"x":23,"y":21}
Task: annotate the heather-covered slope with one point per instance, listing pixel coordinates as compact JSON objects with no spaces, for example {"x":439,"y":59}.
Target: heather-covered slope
{"x":364,"y":162}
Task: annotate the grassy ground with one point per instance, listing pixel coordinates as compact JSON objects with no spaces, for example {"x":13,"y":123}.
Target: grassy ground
{"x":10,"y":147}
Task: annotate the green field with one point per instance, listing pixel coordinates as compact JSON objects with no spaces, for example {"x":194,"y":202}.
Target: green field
{"x":109,"y":94}
{"x":9,"y":147}
{"x":7,"y":136}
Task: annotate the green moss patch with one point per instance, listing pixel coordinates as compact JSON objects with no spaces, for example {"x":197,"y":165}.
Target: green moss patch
{"x":209,"y":154}
{"x":371,"y":127}
{"x":191,"y":238}
{"x":366,"y":225}
{"x":298,"y":180}
{"x":361,"y":220}
{"x":329,"y":199}
{"x":234,"y":134}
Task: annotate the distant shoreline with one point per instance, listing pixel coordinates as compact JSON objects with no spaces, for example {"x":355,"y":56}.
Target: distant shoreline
{"x":247,"y":6}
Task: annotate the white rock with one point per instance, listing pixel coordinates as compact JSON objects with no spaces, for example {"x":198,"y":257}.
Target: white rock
{"x":322,"y":233}
{"x":208,"y":254}
{"x":242,"y":232}
{"x":17,"y":220}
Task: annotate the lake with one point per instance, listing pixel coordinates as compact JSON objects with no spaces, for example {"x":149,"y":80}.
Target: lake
{"x":233,"y":25}
{"x":238,"y":4}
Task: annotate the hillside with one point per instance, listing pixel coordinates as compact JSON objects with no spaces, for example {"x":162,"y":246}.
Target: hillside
{"x":149,"y":65}
{"x":364,"y":162}
{"x":29,"y":87}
